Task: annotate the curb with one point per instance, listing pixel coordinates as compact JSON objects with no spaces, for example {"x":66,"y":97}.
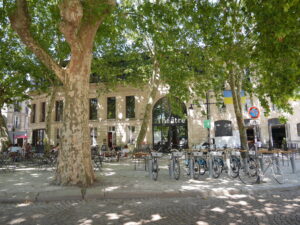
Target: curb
{"x":77,"y":196}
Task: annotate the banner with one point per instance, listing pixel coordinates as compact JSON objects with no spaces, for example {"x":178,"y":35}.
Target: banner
{"x":228,"y":99}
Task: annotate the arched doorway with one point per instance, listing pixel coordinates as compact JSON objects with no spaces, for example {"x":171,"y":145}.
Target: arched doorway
{"x":169,"y":124}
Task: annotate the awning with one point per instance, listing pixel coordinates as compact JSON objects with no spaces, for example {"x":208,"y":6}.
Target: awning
{"x":21,"y":136}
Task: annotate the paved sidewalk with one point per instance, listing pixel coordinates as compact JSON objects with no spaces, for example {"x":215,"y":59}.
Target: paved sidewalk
{"x":120,"y":180}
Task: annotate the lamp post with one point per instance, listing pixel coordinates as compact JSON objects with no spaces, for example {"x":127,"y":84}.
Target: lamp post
{"x":208,"y":103}
{"x":13,"y":134}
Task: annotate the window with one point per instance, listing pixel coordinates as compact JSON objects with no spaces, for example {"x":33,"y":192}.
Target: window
{"x":17,"y":107}
{"x":111,"y":108}
{"x":59,"y":105}
{"x":58,"y":135}
{"x":223,"y":128}
{"x":33,"y":111}
{"x":298,"y":129}
{"x":43,"y":112}
{"x":130,"y":107}
{"x":93,"y":109}
{"x":16,"y":122}
{"x":130,"y":134}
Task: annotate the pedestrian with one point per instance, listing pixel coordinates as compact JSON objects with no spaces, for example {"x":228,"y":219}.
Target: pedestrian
{"x":258,"y":144}
{"x":28,"y":152}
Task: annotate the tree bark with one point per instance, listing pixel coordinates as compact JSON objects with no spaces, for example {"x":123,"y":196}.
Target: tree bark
{"x":79,"y":26}
{"x":75,"y":165}
{"x":4,"y":139}
{"x":154,"y":83}
{"x":235,"y":86}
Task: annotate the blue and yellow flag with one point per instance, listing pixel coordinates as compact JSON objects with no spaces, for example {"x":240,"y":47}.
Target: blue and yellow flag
{"x":228,"y":97}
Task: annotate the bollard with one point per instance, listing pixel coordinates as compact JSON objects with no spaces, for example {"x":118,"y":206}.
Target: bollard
{"x":150,"y":167}
{"x":292,"y":158}
{"x":228,"y":163}
{"x":277,"y":165}
{"x":261,"y":163}
{"x":171,"y":167}
{"x":210,"y":166}
{"x":191,"y":167}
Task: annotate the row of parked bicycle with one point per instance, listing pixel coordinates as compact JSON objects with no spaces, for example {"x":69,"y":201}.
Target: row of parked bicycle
{"x":250,"y":169}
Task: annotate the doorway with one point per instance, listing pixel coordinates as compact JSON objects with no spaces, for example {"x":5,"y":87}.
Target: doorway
{"x":278,"y":134}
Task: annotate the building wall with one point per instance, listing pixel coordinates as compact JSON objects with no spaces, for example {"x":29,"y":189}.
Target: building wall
{"x":17,"y":121}
{"x":197,"y":134}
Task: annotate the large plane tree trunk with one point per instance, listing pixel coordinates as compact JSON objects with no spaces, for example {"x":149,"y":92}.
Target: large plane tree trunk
{"x":79,"y":25}
{"x":75,"y":156}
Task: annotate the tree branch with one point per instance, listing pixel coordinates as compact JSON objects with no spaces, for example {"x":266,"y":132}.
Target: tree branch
{"x":20,"y":21}
{"x":71,"y":13}
{"x":91,"y":21}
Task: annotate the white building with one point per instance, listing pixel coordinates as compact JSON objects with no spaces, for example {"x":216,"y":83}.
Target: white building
{"x":116,"y":117}
{"x":17,"y":120}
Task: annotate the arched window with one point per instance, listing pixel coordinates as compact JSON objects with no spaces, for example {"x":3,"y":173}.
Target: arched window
{"x":169,"y":124}
{"x":223,"y":128}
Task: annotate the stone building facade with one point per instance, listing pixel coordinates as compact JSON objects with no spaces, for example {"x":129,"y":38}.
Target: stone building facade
{"x":116,"y":118}
{"x":17,"y":121}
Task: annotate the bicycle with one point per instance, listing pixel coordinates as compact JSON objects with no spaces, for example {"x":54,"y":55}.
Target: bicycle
{"x":235,"y":163}
{"x":249,"y":171}
{"x":271,"y":168}
{"x":199,"y":164}
{"x":174,"y":166}
{"x":217,"y":163}
{"x":154,"y":164}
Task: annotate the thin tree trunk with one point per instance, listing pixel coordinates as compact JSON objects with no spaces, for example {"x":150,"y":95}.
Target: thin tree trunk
{"x":49,"y":117}
{"x":4,"y":139}
{"x":148,"y":109}
{"x":236,"y":88}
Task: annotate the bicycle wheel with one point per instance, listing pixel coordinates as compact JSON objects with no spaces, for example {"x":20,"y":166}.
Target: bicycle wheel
{"x":154,"y":169}
{"x":216,"y":168}
{"x":196,"y":170}
{"x":249,"y":175}
{"x":277,"y":174}
{"x":176,"y":169}
{"x":235,"y":167}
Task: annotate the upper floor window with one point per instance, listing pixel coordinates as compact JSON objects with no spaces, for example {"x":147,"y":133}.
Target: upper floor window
{"x":59,"y":107}
{"x":43,"y":112}
{"x":130,"y":107}
{"x":298,"y":129}
{"x":111,"y":107}
{"x":93,"y":109}
{"x":17,"y":107}
{"x":33,"y":112}
{"x":223,"y":128}
{"x":17,"y":122}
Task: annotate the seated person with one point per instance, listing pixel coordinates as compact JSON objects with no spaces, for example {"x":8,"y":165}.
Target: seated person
{"x":125,"y":151}
{"x":15,"y":152}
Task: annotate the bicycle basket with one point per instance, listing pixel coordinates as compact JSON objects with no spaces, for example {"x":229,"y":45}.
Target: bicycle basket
{"x":156,"y":154}
{"x":197,"y":153}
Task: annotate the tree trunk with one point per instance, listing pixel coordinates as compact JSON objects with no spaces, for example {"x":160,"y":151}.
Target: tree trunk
{"x":236,"y":95}
{"x":4,"y":139}
{"x":49,"y":117}
{"x":154,"y":83}
{"x":75,"y":165}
